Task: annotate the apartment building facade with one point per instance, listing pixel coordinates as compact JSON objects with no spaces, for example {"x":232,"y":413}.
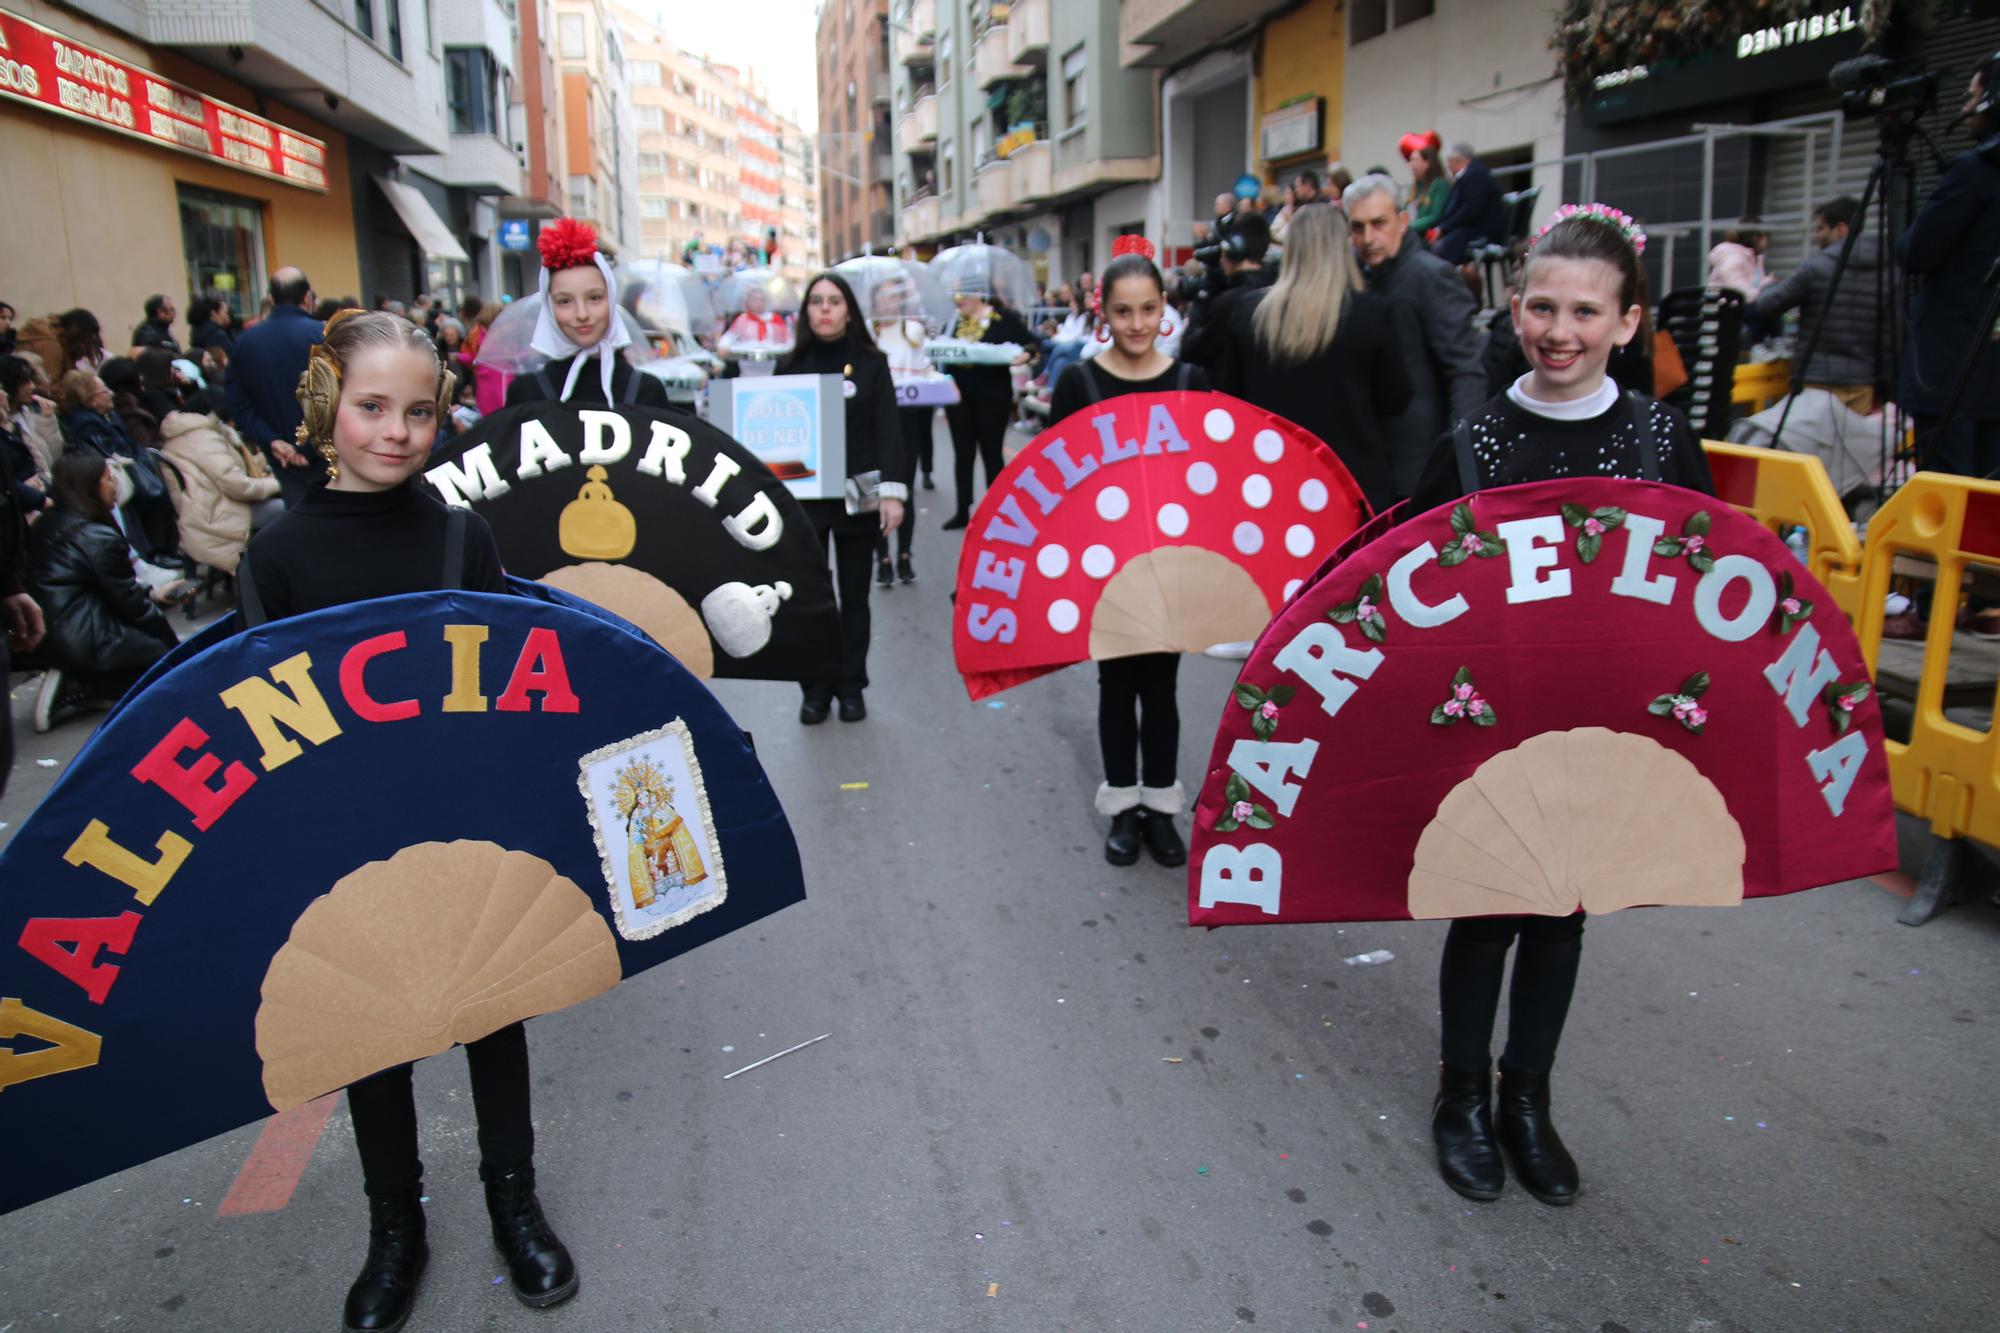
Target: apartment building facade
{"x":857,"y":200}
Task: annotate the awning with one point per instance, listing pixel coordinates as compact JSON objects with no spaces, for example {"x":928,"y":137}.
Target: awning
{"x":432,"y":236}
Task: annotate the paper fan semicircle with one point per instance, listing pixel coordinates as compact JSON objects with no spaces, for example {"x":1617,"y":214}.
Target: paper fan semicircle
{"x":1584,"y":694}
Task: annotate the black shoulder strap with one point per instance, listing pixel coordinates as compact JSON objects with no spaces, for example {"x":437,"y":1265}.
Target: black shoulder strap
{"x":454,"y":548}
{"x":1468,"y":466}
{"x":1181,"y":375}
{"x":543,"y":383}
{"x":629,"y":395}
{"x":1090,"y":385}
{"x":1642,"y":438}
{"x":251,"y":602}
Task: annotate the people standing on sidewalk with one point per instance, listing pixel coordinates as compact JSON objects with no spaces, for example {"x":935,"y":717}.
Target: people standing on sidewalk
{"x":986,"y":398}
{"x":262,"y":391}
{"x":1578,"y":297}
{"x":372,"y":398}
{"x":1138,"y":713}
{"x":834,"y":341}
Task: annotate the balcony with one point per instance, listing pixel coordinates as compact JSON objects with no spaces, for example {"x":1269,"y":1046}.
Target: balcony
{"x":920,"y":16}
{"x":480,"y":163}
{"x":920,"y":219}
{"x":913,"y":33}
{"x":990,"y":64}
{"x":919,"y":126}
{"x":993,"y":187}
{"x":1164,"y":33}
{"x":1078,"y":171}
{"x":1028,"y":31}
{"x":1034,"y":171}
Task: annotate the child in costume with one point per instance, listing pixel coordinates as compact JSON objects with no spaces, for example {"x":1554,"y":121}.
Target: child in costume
{"x":986,"y":397}
{"x":1580,"y":295}
{"x":1137,"y":711}
{"x":579,"y":320}
{"x":374,"y":392}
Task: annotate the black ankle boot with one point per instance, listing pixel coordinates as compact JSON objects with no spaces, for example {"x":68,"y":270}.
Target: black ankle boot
{"x":380,"y":1299}
{"x":905,"y":571}
{"x":957,"y":521}
{"x":1163,"y":840}
{"x":541,"y":1268}
{"x":1121,"y":847}
{"x":885,"y":573}
{"x":1541,"y":1163}
{"x":1462,"y":1128}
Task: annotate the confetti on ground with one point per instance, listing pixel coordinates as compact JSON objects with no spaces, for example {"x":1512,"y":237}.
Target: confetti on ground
{"x":1170,"y":1059}
{"x":854,"y":786}
{"x":759,"y":1064}
{"x":45,"y":763}
{"x":980,"y":1237}
{"x":498,"y":1280}
{"x":727,"y":1049}
{"x":1371,"y":958}
{"x":996,"y":703}
{"x":993,"y":1289}
{"x":1201,"y":1170}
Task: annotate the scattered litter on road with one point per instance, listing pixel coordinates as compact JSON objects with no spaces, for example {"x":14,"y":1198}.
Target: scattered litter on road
{"x":979,"y":1237}
{"x":45,"y":763}
{"x":423,"y":1198}
{"x":1170,"y":1059}
{"x":498,"y":1280}
{"x":727,"y":1049}
{"x":1061,"y":1001}
{"x":1369,"y":959}
{"x":1201,"y":1170}
{"x":993,"y":1289}
{"x":787,"y":1051}
{"x":996,"y":703}
{"x":854,"y":786}
{"x":1762,"y":1125}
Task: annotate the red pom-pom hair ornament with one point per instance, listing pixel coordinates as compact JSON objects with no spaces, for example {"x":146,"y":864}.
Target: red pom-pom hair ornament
{"x":1413,"y":143}
{"x":567,"y":243}
{"x":1132,"y":245}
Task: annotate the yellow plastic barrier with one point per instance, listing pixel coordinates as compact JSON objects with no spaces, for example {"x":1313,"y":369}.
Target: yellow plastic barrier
{"x":1947,"y":773}
{"x":1756,"y":385}
{"x":1783,"y":490}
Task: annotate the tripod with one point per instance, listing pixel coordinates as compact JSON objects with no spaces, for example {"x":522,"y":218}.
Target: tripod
{"x":1891,"y":180}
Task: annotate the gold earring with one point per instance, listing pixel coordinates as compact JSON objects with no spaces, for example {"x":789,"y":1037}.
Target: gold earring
{"x":332,"y":458}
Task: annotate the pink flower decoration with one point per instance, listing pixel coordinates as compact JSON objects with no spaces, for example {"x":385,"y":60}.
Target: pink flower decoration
{"x":1593,"y":527}
{"x":1847,"y":702}
{"x":1791,"y":605}
{"x":1683,"y":706}
{"x":1470,"y":541}
{"x":1476,"y":707}
{"x":1694,"y":543}
{"x":1365,"y":610}
{"x":1461,"y":691}
{"x":1267,"y":709}
{"x":1453,"y":708}
{"x":1240,"y":812}
{"x":1697,"y":717}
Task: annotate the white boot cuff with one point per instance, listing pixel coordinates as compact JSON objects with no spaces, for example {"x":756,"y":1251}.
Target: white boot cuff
{"x":1116,"y":800}
{"x":1165,"y":800}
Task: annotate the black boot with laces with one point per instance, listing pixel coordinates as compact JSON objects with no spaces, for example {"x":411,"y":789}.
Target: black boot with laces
{"x":381,"y":1298}
{"x":541,"y":1268}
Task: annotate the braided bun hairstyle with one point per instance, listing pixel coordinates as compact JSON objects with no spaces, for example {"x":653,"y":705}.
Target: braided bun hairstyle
{"x":348,"y":332}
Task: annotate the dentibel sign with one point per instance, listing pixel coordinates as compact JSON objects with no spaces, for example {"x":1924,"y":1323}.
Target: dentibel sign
{"x":1760,"y":60}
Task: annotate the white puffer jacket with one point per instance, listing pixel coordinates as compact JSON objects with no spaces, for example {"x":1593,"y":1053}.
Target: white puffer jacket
{"x":222,"y":480}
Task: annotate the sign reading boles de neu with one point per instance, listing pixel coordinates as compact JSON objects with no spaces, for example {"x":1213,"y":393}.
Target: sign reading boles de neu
{"x":47,"y":69}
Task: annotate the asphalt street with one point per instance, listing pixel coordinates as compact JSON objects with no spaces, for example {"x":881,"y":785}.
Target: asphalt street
{"x":1046,"y":1103}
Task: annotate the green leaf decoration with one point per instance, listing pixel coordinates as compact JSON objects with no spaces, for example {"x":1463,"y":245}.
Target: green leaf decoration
{"x":1574,"y":515}
{"x":1462,"y":676}
{"x":1461,"y":519}
{"x":1260,"y":817}
{"x":1702,"y":561}
{"x":1227,"y":824}
{"x":1484,"y":718}
{"x":1344,"y":613}
{"x":1453,"y":555}
{"x":1490,"y":546}
{"x":1697,"y":524}
{"x":1668,"y":546}
{"x":1371,"y":629}
{"x":1440,"y":718}
{"x":1371,"y":587}
{"x":1611,"y":516}
{"x":1236,"y":789}
{"x":1696,"y":685}
{"x":1263,"y":727}
{"x":1282,"y":695}
{"x":1587,"y":547}
{"x":1662,"y":706}
{"x":1832,"y":695}
{"x":1249,"y":696}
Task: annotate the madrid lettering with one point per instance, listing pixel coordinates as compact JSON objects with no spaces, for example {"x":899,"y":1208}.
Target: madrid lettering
{"x":277,"y":716}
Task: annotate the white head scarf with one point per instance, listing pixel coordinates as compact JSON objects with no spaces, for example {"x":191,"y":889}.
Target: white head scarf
{"x":553,"y":343}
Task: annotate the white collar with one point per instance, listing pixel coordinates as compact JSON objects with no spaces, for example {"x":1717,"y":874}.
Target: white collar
{"x":1576,"y":409}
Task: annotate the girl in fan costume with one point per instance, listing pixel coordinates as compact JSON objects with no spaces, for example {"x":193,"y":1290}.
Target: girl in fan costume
{"x":1138,"y":715}
{"x":986,"y":397}
{"x":373,"y":393}
{"x":578,"y":329}
{"x":1581,"y":293}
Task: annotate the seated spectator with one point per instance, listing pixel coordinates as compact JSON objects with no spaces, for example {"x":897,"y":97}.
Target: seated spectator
{"x":104,"y":629}
{"x":90,"y":422}
{"x":8,"y":333}
{"x":82,"y":340}
{"x":211,"y":329}
{"x":157,"y":329}
{"x":17,"y":382}
{"x":225,"y":489}
{"x":159,"y":393}
{"x":121,"y":375}
{"x":1852,"y":352}
{"x":31,"y":419}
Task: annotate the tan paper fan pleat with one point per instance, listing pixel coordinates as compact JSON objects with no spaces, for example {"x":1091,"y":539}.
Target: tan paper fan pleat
{"x":1588,"y":818}
{"x":645,"y":601}
{"x":1176,"y":599}
{"x":443,"y":943}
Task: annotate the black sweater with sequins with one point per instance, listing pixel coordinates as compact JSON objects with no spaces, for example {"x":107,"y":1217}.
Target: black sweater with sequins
{"x":1513,"y":445}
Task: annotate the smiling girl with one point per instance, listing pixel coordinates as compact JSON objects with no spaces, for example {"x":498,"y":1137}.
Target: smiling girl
{"x":1578,"y":298}
{"x":578,"y":321}
{"x":373,"y":393}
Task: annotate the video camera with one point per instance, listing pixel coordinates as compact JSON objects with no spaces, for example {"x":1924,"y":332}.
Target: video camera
{"x":1874,"y":85}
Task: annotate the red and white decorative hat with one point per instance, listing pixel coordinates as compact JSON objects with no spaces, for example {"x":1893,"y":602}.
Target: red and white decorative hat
{"x":564,"y":244}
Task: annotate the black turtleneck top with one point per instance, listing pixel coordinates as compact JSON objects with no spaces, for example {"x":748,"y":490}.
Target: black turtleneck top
{"x":336,"y":547}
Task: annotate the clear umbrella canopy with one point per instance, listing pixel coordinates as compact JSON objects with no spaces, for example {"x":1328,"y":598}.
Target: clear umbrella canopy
{"x":667,"y":296}
{"x":898,"y":289}
{"x":506,"y":346}
{"x":985,"y":270}
{"x":759,"y":291}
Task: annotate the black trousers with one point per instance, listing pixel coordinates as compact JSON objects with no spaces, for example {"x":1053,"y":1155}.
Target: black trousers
{"x":384,"y":1111}
{"x":1545,"y":966}
{"x":978,"y":429}
{"x":916,"y":424}
{"x":853,"y":562}
{"x":1139,"y":719}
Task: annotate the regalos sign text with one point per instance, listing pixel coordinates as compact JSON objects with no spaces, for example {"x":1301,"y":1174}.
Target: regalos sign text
{"x":45,"y":68}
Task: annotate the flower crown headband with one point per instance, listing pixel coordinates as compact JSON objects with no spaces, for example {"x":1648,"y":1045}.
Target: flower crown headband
{"x":1634,"y":234}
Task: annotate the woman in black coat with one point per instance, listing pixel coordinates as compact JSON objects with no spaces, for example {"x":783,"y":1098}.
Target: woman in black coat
{"x":1320,"y":352}
{"x":104,"y":629}
{"x":833,"y":340}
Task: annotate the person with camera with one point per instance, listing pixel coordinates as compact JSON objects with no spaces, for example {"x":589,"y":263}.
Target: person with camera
{"x":1233,"y":272}
{"x":1951,"y":249}
{"x":1849,"y":353}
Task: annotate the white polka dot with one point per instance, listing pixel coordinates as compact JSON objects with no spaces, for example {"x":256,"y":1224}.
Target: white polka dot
{"x":1249,"y":538}
{"x":1312,"y":495}
{"x":1219,"y":424}
{"x":1062,"y":615}
{"x":1113,"y":504}
{"x":1256,"y":490}
{"x":1098,"y":561}
{"x":1173,"y":520}
{"x":1299,"y":539}
{"x":1053,"y":561}
{"x":1201,"y":478}
{"x":1270,"y":446}
{"x":1292,"y":588}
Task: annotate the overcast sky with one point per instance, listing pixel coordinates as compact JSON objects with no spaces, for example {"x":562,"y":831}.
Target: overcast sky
{"x":773,"y":38}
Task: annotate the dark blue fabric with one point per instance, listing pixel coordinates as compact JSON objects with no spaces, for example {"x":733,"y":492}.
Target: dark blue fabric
{"x":1949,"y":248}
{"x":1473,"y":212}
{"x":264,"y":375}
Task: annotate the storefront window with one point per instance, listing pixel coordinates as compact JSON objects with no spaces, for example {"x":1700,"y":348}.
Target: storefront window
{"x":222,"y":239}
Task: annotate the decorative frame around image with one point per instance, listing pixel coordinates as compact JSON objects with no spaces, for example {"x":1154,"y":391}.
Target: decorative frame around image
{"x":655,"y":833}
